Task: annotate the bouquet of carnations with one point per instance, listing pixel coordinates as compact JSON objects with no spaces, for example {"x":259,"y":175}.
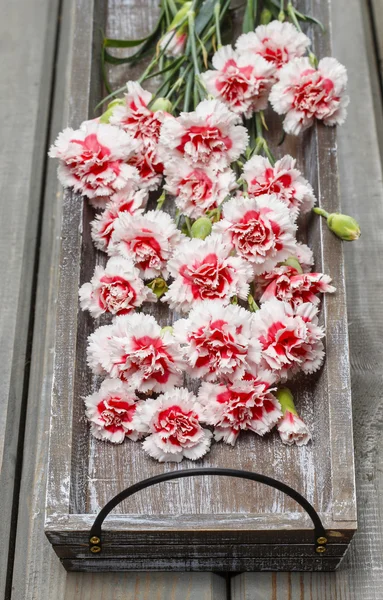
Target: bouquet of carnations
{"x":224,"y":255}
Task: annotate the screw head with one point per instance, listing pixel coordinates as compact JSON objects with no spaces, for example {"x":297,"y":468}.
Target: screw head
{"x":320,"y":549}
{"x":95,"y":549}
{"x":322,"y":540}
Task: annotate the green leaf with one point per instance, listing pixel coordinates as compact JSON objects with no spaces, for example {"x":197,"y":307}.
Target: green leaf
{"x":174,"y":65}
{"x":109,"y":43}
{"x":205,"y":16}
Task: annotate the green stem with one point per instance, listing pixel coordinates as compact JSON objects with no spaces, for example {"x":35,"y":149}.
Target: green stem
{"x":293,"y":16}
{"x":172,"y":7}
{"x":261,"y":143}
{"x":188,"y":89}
{"x":217,"y":9}
{"x":193,"y":42}
{"x":321,"y":212}
{"x":188,"y":226}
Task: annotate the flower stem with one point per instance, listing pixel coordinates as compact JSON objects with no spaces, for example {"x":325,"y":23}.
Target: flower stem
{"x":261,"y":143}
{"x":217,"y":9}
{"x":193,"y":42}
{"x":253,"y":306}
{"x":321,"y":212}
{"x":188,"y":226}
{"x":293,"y":16}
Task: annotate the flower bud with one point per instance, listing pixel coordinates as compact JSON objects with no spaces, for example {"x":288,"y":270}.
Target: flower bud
{"x":158,"y":286}
{"x":201,"y":228}
{"x":109,"y":111}
{"x":281,"y":16}
{"x":168,"y":328}
{"x":344,"y":226}
{"x":266,"y":16}
{"x":180,"y":15}
{"x":162,"y":104}
{"x":294,"y":263}
{"x":286,"y":400}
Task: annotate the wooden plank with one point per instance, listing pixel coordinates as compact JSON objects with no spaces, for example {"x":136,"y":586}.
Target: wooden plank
{"x":27,"y":33}
{"x":360,"y":574}
{"x":38,"y":573}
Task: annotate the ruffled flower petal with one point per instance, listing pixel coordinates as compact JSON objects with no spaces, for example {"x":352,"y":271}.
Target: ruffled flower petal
{"x":293,"y":430}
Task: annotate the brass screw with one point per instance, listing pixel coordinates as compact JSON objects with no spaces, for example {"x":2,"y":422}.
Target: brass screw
{"x":96,"y":540}
{"x":320,"y":540}
{"x":320,"y":549}
{"x":95,"y":549}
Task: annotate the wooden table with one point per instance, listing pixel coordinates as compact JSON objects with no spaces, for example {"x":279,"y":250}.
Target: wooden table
{"x":36,"y":43}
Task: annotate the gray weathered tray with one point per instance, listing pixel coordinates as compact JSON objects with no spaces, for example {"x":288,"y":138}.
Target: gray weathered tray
{"x":204,"y":523}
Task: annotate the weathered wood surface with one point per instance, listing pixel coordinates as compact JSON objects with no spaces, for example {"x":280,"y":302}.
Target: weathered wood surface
{"x":360,"y":575}
{"x":27,"y":33}
{"x":85,"y":473}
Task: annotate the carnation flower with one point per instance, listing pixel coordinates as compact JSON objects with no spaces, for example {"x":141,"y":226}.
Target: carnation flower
{"x":148,"y":240}
{"x":278,"y":43}
{"x":217,"y":341}
{"x":290,"y":339}
{"x":209,"y":136}
{"x":149,"y":166}
{"x":260,"y":229}
{"x":286,"y":284}
{"x":204,"y":270}
{"x":247,"y":404}
{"x":93,"y":159}
{"x":136,"y":118}
{"x":111,"y":412}
{"x":304,"y":94}
{"x":174,"y":42}
{"x":116,"y":289}
{"x":282,"y":179}
{"x":197,"y":190}
{"x":241,"y":81}
{"x":124,"y":201}
{"x":173,"y":421}
{"x":135,"y":349}
{"x":293,"y":430}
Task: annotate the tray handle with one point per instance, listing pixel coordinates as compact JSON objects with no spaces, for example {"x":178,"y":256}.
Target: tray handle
{"x":95,"y":535}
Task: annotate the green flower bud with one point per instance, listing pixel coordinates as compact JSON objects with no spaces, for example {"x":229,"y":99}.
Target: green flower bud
{"x":345,"y":227}
{"x":266,"y":16}
{"x":168,"y":328}
{"x":158,"y":286}
{"x":182,"y":13}
{"x":108,"y":113}
{"x":253,"y":306}
{"x":281,"y":16}
{"x":294,"y":263}
{"x":162,"y":104}
{"x":286,"y":400}
{"x":201,"y":228}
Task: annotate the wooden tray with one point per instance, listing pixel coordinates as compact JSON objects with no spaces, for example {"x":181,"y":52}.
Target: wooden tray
{"x":200,"y":523}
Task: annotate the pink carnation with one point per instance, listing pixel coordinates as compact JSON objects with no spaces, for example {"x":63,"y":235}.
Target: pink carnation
{"x":304,"y":94}
{"x":241,"y":81}
{"x":260,"y":230}
{"x":247,"y":404}
{"x":290,"y":339}
{"x":136,"y":350}
{"x":173,"y":43}
{"x":293,"y":430}
{"x":116,"y":289}
{"x":286,"y":284}
{"x":111,"y":412}
{"x":173,"y":421}
{"x":205,"y":270}
{"x":197,"y":190}
{"x":149,"y":166}
{"x":93,"y":159}
{"x":278,"y":43}
{"x":217,"y":341}
{"x":148,"y":240}
{"x":124,"y":201}
{"x":209,"y":136}
{"x":282,"y":179}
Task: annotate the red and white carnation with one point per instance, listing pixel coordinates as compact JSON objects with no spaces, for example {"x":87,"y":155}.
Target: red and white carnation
{"x":173,"y":43}
{"x":102,"y":226}
{"x":116,"y":289}
{"x":282,"y":179}
{"x":209,"y":136}
{"x":293,"y":430}
{"x":290,"y":338}
{"x":135,"y":349}
{"x":217,"y":341}
{"x":278,"y":43}
{"x":197,"y":190}
{"x":247,"y":404}
{"x":241,"y":80}
{"x":260,"y":230}
{"x":287,"y":285}
{"x":136,"y":118}
{"x":205,"y":270}
{"x":149,"y":166}
{"x":93,"y":159}
{"x":111,"y":412}
{"x":173,"y":421}
{"x":147,"y":239}
{"x":304,"y":93}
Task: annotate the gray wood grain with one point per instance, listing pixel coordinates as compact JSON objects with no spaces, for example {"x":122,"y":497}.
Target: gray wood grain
{"x":27,"y":33}
{"x":361,"y":573}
